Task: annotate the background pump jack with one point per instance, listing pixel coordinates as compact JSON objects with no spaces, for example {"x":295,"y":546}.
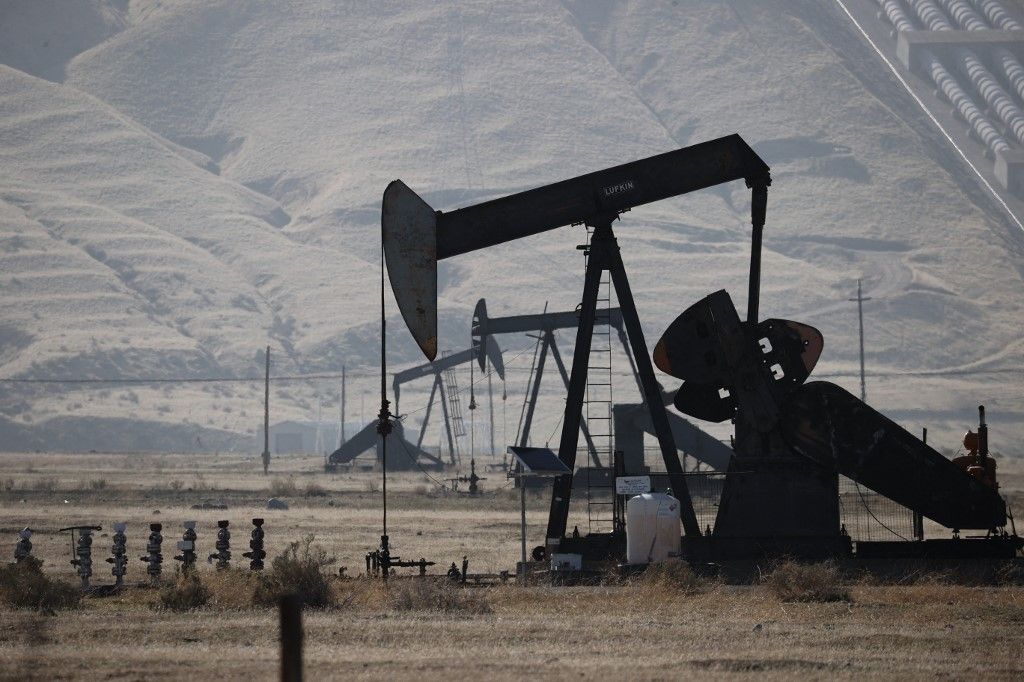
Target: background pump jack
{"x":446,"y":389}
{"x":369,"y":437}
{"x":416,"y":236}
{"x":544,"y":324}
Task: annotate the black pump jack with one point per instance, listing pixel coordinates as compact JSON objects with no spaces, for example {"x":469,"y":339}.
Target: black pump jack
{"x":415,"y":237}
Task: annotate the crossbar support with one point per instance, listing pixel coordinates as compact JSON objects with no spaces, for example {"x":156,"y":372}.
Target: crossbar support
{"x":591,"y":448}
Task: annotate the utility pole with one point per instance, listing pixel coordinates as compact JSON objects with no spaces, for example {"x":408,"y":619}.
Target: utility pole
{"x":318,"y":443}
{"x":341,"y":433}
{"x":266,"y":416}
{"x":860,"y":317}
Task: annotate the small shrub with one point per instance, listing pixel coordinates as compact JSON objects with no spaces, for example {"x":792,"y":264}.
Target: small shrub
{"x":792,"y":581}
{"x":315,"y":490}
{"x":372,"y":486}
{"x":175,"y":483}
{"x":441,"y":596}
{"x":8,"y":484}
{"x":282,"y":487}
{"x":186,"y":593}
{"x":299,"y":571}
{"x":24,"y":585}
{"x":98,"y":484}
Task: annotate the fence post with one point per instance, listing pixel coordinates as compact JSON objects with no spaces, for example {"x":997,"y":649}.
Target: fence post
{"x":291,"y":638}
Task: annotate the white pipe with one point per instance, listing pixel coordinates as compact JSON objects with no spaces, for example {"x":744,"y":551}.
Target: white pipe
{"x":893,"y":11}
{"x":946,"y":83}
{"x":1012,"y":68}
{"x":998,"y":100}
{"x":997,"y":15}
{"x":969,"y":19}
{"x":964,"y":15}
{"x":996,"y":195}
{"x":989,"y":136}
{"x":931,"y":15}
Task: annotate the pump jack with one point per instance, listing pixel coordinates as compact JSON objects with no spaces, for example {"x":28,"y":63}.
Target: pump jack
{"x":792,"y":439}
{"x":416,"y":236}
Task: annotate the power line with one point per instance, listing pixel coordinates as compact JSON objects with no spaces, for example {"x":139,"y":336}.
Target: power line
{"x":181,"y":380}
{"x":359,"y":375}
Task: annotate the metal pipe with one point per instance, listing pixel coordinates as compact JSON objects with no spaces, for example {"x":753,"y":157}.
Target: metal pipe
{"x":758,"y":208}
{"x":527,"y":420}
{"x":982,"y":432}
{"x":997,"y":98}
{"x":931,"y":15}
{"x":522,"y":525}
{"x":266,"y":415}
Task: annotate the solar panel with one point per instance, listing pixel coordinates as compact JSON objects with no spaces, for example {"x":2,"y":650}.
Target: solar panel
{"x":539,"y":461}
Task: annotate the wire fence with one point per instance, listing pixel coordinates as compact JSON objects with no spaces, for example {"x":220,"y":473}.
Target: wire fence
{"x":866,"y":515}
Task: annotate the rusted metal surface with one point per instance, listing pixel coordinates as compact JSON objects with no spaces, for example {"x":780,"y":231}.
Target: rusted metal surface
{"x":723,"y":363}
{"x":832,"y":426}
{"x":409,"y":233}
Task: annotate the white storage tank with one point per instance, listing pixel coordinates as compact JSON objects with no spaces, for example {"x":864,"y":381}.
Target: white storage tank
{"x":653,"y":528}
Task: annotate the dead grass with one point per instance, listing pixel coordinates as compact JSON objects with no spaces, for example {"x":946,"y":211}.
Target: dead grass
{"x":791,"y":581}
{"x":926,"y":627}
{"x":436,"y":596}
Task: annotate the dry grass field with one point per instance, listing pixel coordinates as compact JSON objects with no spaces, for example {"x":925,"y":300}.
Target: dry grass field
{"x":648,"y":628}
